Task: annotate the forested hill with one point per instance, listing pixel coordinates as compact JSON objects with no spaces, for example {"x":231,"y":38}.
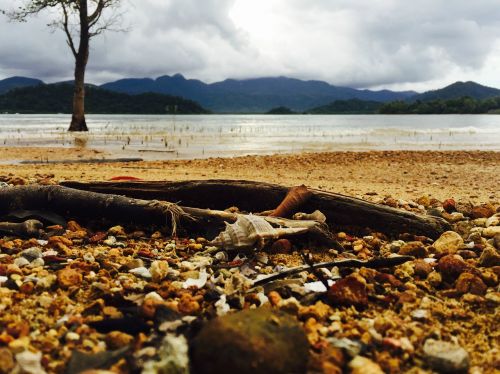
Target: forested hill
{"x":57,"y":98}
{"x":458,"y":90}
{"x":353,"y":106}
{"x":462,"y":105}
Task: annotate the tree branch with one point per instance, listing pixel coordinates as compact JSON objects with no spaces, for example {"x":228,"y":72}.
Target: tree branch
{"x":69,"y":37}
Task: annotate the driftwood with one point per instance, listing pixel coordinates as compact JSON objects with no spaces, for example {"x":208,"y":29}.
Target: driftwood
{"x":87,"y":205}
{"x":340,"y":210}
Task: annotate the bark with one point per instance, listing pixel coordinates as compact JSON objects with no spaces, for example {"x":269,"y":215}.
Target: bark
{"x":78,"y":122}
{"x":342,"y":212}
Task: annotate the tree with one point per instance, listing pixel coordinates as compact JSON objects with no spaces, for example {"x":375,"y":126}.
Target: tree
{"x":80,"y":20}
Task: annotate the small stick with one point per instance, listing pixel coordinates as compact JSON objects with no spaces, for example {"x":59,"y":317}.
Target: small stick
{"x":379,"y":262}
{"x":29,"y":228}
{"x":309,"y":261}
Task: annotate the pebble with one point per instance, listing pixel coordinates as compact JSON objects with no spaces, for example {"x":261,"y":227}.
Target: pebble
{"x":445,"y":357}
{"x":451,"y":266}
{"x":118,"y":339}
{"x":363,"y":365}
{"x":448,"y":243}
{"x":69,"y":277}
{"x":489,"y":257}
{"x":496,"y":241}
{"x":483,"y":211}
{"x":32,"y":253}
{"x":141,"y":272}
{"x":21,"y":261}
{"x":420,"y":314}
{"x":30,"y":362}
{"x":6,"y":361}
{"x":490,"y":232}
{"x":416,"y":249}
{"x":470,"y":283}
{"x":421,"y":269}
{"x":348,"y":291}
{"x":159,"y":270}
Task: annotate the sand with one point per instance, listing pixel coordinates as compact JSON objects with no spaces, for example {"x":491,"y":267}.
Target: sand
{"x":464,"y":175}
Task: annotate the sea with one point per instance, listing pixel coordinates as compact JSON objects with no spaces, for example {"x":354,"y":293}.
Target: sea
{"x":201,"y":136}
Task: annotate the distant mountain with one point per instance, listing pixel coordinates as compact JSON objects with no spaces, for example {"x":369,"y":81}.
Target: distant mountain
{"x":457,"y":90}
{"x":352,"y":106}
{"x":17,"y":82}
{"x":57,"y":98}
{"x":253,"y":95}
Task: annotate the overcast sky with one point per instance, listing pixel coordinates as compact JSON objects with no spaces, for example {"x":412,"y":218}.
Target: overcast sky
{"x":398,"y":44}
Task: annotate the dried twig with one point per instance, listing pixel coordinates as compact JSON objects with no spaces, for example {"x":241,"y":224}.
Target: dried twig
{"x":379,"y":262}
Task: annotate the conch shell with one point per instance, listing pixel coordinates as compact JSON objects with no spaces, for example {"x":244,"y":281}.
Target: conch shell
{"x":251,"y":231}
{"x":294,"y":199}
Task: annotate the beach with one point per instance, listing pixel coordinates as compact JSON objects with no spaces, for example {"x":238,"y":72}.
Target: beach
{"x":463,"y":175}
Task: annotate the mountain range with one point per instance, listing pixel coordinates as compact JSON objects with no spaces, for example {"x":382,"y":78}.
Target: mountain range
{"x":260,"y":95}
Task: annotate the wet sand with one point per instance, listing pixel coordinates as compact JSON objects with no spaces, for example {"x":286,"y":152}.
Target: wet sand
{"x":464,"y":175}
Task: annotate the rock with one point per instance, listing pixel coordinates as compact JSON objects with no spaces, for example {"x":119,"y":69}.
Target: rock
{"x":422,"y":269}
{"x":251,"y":341}
{"x":489,"y":257}
{"x":420,"y":315}
{"x":32,"y":253}
{"x":172,"y":357}
{"x":117,"y":231}
{"x":416,"y":249}
{"x":318,"y":311}
{"x":363,"y":365}
{"x":496,"y":241}
{"x":141,"y":272}
{"x":470,"y":283}
{"x":491,"y":232}
{"x":348,"y":291}
{"x":448,"y":243}
{"x":281,"y":246}
{"x":451,"y":266}
{"x":449,"y":205}
{"x":30,"y":362}
{"x":483,"y":211}
{"x":445,"y":357}
{"x":6,"y":361}
{"x":118,"y":339}
{"x":494,"y":220}
{"x":69,"y":277}
{"x":159,"y":270}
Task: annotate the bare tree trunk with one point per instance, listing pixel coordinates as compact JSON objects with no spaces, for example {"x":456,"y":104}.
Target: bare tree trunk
{"x":78,"y":122}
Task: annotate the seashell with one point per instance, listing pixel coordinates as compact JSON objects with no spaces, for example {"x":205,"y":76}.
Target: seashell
{"x":494,"y":220}
{"x":292,"y":201}
{"x":314,"y":216}
{"x":249,"y":231}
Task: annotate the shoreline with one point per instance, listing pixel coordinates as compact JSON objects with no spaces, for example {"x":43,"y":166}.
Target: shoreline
{"x":372,"y":175}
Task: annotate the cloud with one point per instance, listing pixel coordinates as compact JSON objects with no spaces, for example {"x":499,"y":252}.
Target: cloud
{"x":359,"y":43}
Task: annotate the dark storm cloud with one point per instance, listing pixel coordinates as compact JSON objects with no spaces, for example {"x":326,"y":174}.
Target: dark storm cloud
{"x":361,"y":43}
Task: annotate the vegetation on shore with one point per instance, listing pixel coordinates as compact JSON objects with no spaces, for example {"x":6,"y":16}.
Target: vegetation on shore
{"x":462,"y":105}
{"x":57,"y":98}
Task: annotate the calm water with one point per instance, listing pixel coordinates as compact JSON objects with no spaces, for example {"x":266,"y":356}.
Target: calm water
{"x":159,"y":137}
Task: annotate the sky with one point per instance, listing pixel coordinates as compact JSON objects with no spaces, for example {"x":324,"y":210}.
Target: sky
{"x":395,"y":44}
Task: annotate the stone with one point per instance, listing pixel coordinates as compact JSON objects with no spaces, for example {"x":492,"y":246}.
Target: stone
{"x":422,"y":269}
{"x":416,"y":249}
{"x":281,"y":246}
{"x":363,"y":365}
{"x":348,"y":291}
{"x":448,"y":243}
{"x":491,"y":232}
{"x":6,"y":361}
{"x":449,"y":205}
{"x":252,"y":341}
{"x":451,"y":266}
{"x":445,"y":357}
{"x":118,"y":339}
{"x":470,"y":283}
{"x":159,"y":270}
{"x":496,"y":241}
{"x":489,"y":257}
{"x":483,"y":211}
{"x":69,"y":277}
{"x":30,"y":362}
{"x":32,"y":253}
